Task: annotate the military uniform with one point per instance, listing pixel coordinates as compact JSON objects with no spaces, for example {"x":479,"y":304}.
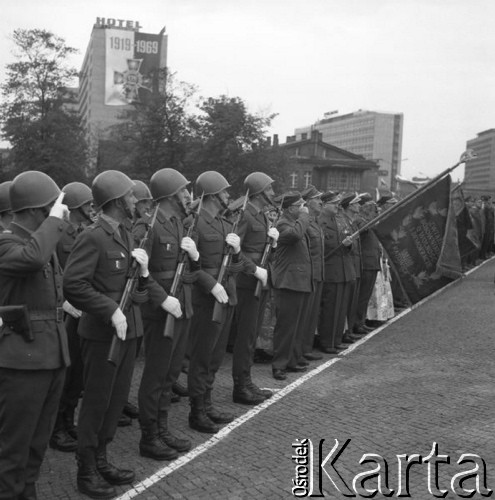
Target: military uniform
{"x":163,"y":356}
{"x":208,"y":338}
{"x":94,"y":281}
{"x":31,"y":373}
{"x":339,"y":275}
{"x":310,"y":320}
{"x":252,"y":230}
{"x":292,"y":281}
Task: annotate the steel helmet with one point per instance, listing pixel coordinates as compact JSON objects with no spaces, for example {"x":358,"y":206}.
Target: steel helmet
{"x":167,"y":182}
{"x":77,"y":194}
{"x":32,"y":189}
{"x":110,"y":185}
{"x":211,"y":182}
{"x":4,"y":196}
{"x":141,"y":191}
{"x":257,"y":182}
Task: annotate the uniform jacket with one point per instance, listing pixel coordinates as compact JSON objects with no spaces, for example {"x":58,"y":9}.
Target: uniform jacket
{"x":31,"y":275}
{"x":95,"y":277}
{"x":164,"y":253}
{"x":356,"y":245}
{"x":316,"y":240}
{"x":291,"y":267}
{"x":252,"y":230}
{"x":339,"y":266}
{"x":209,"y":235}
{"x":370,"y":248}
{"x":64,"y":246}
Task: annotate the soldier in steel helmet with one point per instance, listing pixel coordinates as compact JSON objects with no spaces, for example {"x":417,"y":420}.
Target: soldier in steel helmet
{"x":94,"y":280}
{"x":164,"y":356}
{"x":254,"y":231}
{"x":5,"y":210}
{"x":144,"y":199}
{"x":33,"y":343}
{"x":78,"y":198}
{"x":209,"y":338}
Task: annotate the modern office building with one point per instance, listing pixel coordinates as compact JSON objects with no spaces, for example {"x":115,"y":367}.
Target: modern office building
{"x":118,"y":70}
{"x":479,"y":173}
{"x":374,"y":135}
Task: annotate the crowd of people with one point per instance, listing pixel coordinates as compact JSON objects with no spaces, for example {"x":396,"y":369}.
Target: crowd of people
{"x":91,"y":276}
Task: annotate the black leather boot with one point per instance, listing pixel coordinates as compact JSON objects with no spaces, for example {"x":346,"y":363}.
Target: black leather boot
{"x":242,"y":394}
{"x":69,"y":422}
{"x":168,"y":438}
{"x":109,"y":472}
{"x":151,"y":446}
{"x":266,"y":393}
{"x":60,"y":439}
{"x":215,"y":415}
{"x":198,"y":419}
{"x":89,"y":480}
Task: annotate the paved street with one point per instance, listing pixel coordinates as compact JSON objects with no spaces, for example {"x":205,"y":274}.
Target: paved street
{"x":427,"y":377}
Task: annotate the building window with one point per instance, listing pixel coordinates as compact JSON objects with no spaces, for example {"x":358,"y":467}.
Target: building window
{"x":343,"y":180}
{"x":307,"y":179}
{"x":293,"y":179}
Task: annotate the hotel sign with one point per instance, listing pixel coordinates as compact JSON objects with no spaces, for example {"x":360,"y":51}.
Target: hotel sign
{"x":110,"y":22}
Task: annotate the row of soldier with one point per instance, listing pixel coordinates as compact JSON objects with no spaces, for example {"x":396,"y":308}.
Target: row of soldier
{"x":321,"y":273}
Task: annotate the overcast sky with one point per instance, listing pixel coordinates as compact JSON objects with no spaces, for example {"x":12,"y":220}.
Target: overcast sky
{"x":433,"y":60}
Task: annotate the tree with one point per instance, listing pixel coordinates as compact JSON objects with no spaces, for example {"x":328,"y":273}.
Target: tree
{"x":233,"y":142}
{"x":36,"y":114}
{"x":157,"y":132}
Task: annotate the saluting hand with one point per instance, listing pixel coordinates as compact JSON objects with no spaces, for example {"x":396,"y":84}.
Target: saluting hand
{"x":218,"y":291}
{"x":172,"y":306}
{"x":234,"y":241}
{"x":187,"y":244}
{"x":142,"y":259}
{"x":58,"y":209}
{"x":119,"y":322}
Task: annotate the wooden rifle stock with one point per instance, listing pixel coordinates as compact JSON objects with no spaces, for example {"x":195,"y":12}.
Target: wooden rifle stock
{"x":130,"y":286}
{"x":217,"y":315}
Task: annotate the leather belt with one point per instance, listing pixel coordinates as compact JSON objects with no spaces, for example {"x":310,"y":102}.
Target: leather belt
{"x":56,"y":314}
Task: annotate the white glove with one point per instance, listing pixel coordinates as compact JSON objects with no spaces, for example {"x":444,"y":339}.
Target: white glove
{"x":70,"y":309}
{"x":261,"y":274}
{"x":273,"y":234}
{"x":58,"y":209}
{"x":218,"y":291}
{"x":1,"y":322}
{"x":187,"y":244}
{"x":303,"y":209}
{"x":119,"y":322}
{"x":142,"y":259}
{"x":347,"y":241}
{"x":172,"y":306}
{"x":234,"y":241}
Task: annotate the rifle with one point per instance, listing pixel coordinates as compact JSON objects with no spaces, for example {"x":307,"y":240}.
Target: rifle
{"x":218,"y":308}
{"x":130,"y":287}
{"x":266,"y":251}
{"x":168,"y":331}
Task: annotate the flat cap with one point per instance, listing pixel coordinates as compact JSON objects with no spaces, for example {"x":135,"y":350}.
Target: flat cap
{"x":364,"y":198}
{"x":310,"y":192}
{"x":347,"y":200}
{"x":387,"y":198}
{"x":331,"y":197}
{"x":289,"y":198}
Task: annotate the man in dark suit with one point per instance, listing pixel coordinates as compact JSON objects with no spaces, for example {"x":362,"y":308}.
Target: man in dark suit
{"x":33,"y":343}
{"x":256,"y":233}
{"x":339,"y":275}
{"x":94,"y":280}
{"x":292,"y":281}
